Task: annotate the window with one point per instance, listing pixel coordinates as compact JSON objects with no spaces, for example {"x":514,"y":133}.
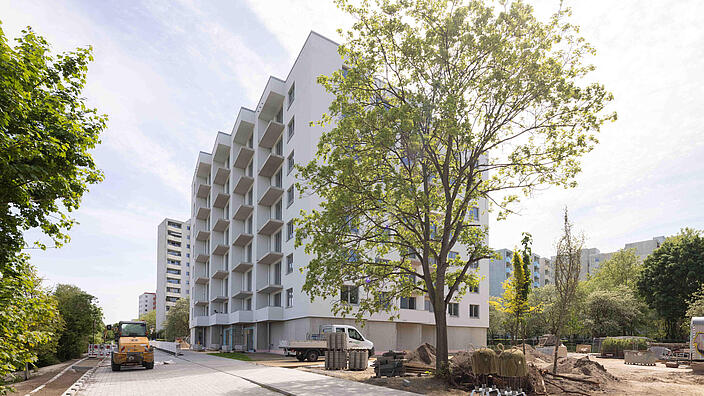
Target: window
{"x":277,"y":242}
{"x":289,"y":230}
{"x":474,"y":289}
{"x":408,"y":303}
{"x":188,"y":227}
{"x":188,"y":273}
{"x":385,"y":300}
{"x":291,"y":94}
{"x":278,"y":210}
{"x":174,"y":281}
{"x":277,"y":273}
{"x":188,"y":246}
{"x":173,"y":271}
{"x":279,"y":148}
{"x":453,"y":309}
{"x":291,"y":127}
{"x":173,"y":252}
{"x":175,"y":225}
{"x":473,"y":310}
{"x":277,"y":180}
{"x":354,"y":334}
{"x":289,"y":196}
{"x":173,"y":262}
{"x":249,"y":253}
{"x":248,"y":281}
{"x":289,"y":298}
{"x":280,"y":115}
{"x":452,"y":255}
{"x":349,"y":294}
{"x":173,"y":290}
{"x":474,"y":214}
{"x":289,"y":263}
{"x":172,"y":299}
{"x":429,"y":305}
{"x":248,"y":304}
{"x":291,"y":163}
{"x":277,"y":300}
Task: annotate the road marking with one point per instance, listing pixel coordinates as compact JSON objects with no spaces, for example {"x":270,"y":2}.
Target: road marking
{"x":40,"y":387}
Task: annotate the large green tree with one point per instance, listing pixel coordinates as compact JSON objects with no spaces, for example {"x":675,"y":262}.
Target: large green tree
{"x":29,"y":320}
{"x":613,"y":312}
{"x":441,"y":105}
{"x":176,"y":324}
{"x":670,"y":277}
{"x":46,"y":132}
{"x":621,"y":269}
{"x":82,"y":318}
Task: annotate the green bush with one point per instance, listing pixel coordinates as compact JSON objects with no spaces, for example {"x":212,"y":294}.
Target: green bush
{"x":616,"y":346}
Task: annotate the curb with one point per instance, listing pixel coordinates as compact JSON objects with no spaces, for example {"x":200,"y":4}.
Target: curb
{"x":79,"y":385}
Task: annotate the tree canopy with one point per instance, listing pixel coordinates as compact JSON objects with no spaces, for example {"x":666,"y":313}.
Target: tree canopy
{"x":176,"y":323}
{"x":621,"y":269}
{"x":670,"y":277}
{"x":82,"y":317}
{"x":46,"y":132}
{"x":440,"y":107}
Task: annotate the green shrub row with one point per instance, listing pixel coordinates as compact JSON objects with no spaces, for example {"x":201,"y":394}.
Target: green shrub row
{"x":618,"y":345}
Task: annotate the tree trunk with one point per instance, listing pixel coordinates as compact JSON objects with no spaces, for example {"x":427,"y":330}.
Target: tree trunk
{"x":558,"y":335}
{"x":441,"y":347}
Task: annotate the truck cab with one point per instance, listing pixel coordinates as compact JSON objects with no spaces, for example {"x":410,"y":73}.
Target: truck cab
{"x":355,"y":339}
{"x":133,"y":347}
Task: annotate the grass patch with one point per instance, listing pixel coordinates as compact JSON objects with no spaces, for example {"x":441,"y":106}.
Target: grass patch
{"x":232,"y":355}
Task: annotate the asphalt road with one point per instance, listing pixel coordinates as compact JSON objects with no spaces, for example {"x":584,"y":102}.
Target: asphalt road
{"x":178,"y":377}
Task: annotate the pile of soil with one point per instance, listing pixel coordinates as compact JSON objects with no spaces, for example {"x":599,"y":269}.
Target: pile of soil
{"x":461,"y":361}
{"x":535,"y":356}
{"x":573,"y":376}
{"x":424,"y":355}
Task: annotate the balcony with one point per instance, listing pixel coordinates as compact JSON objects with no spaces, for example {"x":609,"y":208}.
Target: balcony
{"x":219,"y":298}
{"x":242,"y":239}
{"x":242,"y":212}
{"x":203,"y":165}
{"x":220,"y":273}
{"x":242,"y":316}
{"x":201,"y":300}
{"x":271,"y":287}
{"x":202,"y":257}
{"x":244,"y":156}
{"x":198,"y":321}
{"x":270,"y":257}
{"x":200,"y":278}
{"x":221,"y":175}
{"x":271,"y":226}
{"x":244,"y":126}
{"x":271,"y":195}
{"x":220,"y":248}
{"x":244,"y":183}
{"x":242,"y":266}
{"x":219,"y":319}
{"x":202,"y":235}
{"x":221,"y":225}
{"x":271,"y":134}
{"x":202,"y":190}
{"x":271,"y":164}
{"x":242,"y":294}
{"x":202,"y":213}
{"x":269,"y":314}
{"x":221,"y":200}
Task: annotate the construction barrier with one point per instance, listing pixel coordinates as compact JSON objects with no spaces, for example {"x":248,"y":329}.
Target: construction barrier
{"x":99,"y":350}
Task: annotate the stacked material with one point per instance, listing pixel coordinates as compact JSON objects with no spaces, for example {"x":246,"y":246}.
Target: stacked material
{"x":336,"y":353}
{"x":359,"y":359}
{"x":390,"y":364}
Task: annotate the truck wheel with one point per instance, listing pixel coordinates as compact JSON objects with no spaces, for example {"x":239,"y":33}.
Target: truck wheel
{"x":300,"y":356}
{"x":312,"y":356}
{"x":149,"y":365}
{"x":115,"y":367}
{"x":371,"y":352}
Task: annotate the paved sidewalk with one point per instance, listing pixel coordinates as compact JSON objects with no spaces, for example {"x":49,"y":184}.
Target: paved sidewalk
{"x":288,"y":381}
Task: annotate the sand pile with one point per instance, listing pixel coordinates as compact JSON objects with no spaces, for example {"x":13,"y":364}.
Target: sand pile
{"x":573,"y":376}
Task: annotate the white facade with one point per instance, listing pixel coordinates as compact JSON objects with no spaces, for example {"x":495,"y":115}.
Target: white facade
{"x":147,"y":303}
{"x":173,"y":265}
{"x":245,"y":279}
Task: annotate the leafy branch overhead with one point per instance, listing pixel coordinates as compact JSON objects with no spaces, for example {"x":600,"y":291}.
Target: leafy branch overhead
{"x":440,"y":108}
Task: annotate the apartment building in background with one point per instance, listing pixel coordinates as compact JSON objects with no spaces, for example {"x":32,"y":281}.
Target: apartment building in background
{"x":501,"y":269}
{"x":173,"y":265}
{"x":147,"y":303}
{"x":245,"y":278}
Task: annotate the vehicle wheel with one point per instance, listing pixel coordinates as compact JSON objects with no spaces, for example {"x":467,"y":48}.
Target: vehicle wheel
{"x":300,"y":356}
{"x":312,"y":356}
{"x":115,"y":367}
{"x":371,"y":352}
{"x":149,"y":365}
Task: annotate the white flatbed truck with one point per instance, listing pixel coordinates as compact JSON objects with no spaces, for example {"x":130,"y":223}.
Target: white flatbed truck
{"x":312,"y":349}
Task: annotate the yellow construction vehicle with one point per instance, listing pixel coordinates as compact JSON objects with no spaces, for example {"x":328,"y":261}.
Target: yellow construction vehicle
{"x":132,"y":346}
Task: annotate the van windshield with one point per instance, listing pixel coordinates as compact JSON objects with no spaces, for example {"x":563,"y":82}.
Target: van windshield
{"x":133,"y":330}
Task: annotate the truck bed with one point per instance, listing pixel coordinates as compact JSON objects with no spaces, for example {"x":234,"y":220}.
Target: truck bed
{"x":302,"y":344}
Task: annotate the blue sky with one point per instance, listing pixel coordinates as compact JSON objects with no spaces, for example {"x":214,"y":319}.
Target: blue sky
{"x":170,"y":74}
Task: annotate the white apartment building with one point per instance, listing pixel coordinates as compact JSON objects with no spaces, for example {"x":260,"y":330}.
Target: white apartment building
{"x":173,"y":265}
{"x":502,"y":268}
{"x":246,"y":280}
{"x":147,"y":303}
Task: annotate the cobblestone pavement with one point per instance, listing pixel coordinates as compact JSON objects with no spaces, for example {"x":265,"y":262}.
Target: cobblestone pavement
{"x":180,"y":377}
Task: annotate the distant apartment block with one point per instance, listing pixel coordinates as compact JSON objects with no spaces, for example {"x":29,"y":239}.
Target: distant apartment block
{"x":147,"y":303}
{"x":173,"y":265}
{"x":246,"y":283}
{"x":501,"y":269}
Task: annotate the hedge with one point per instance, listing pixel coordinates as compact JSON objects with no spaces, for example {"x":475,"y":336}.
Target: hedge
{"x":616,"y":346}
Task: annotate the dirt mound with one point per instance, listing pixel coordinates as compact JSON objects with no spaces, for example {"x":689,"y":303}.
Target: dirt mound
{"x":423,"y":355}
{"x":462,"y":360}
{"x":534,"y":355}
{"x":573,"y":376}
{"x":584,"y":366}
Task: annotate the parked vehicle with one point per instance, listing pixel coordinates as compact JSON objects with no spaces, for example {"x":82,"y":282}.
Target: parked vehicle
{"x":315,"y":347}
{"x":133,"y":347}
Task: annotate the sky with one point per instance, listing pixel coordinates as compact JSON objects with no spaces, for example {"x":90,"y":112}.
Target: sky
{"x":170,"y":74}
